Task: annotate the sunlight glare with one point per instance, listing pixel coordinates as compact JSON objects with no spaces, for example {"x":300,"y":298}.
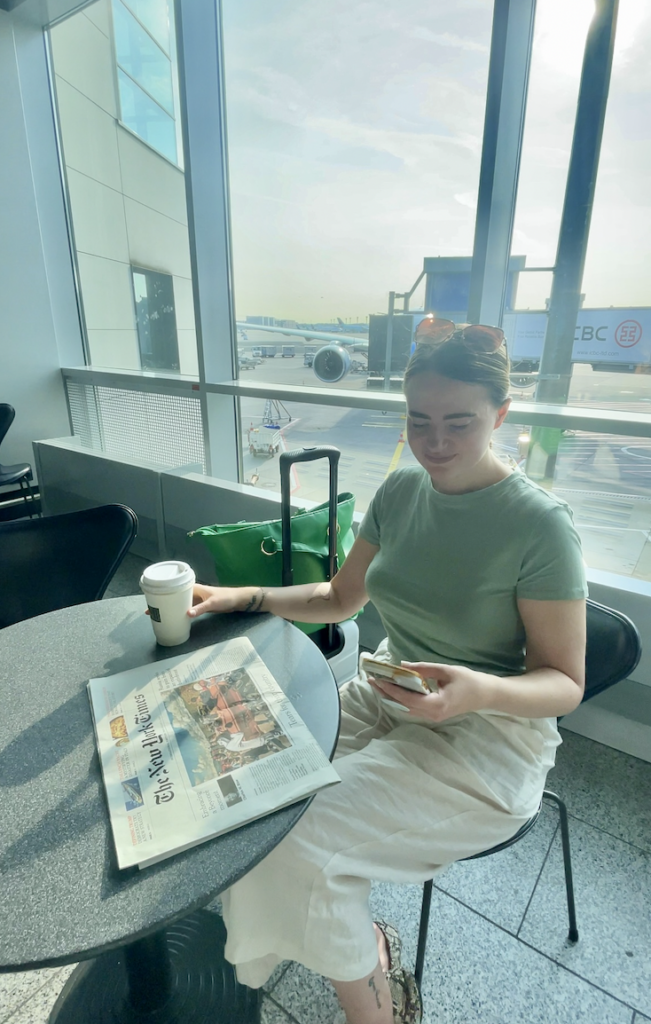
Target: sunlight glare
{"x":631,"y":16}
{"x":560,"y":33}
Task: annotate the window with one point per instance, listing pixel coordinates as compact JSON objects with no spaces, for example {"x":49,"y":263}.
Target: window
{"x":147,"y":76}
{"x":343,"y":187}
{"x":354,"y":142}
{"x":155,"y":320}
{"x":126,"y":199}
{"x":612,"y":346}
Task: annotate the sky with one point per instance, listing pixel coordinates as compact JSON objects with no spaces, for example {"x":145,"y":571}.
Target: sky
{"x":355,"y":136}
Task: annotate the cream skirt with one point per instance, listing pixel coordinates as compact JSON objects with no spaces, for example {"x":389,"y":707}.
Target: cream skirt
{"x":413,"y":798}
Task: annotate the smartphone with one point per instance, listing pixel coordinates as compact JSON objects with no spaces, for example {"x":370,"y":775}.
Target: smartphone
{"x":405,"y":677}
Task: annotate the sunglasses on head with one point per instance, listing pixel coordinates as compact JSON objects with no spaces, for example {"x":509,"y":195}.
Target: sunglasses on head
{"x":431,"y":329}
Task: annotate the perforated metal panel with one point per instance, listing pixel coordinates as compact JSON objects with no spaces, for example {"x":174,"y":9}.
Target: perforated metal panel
{"x":84,"y":414}
{"x":163,"y":429}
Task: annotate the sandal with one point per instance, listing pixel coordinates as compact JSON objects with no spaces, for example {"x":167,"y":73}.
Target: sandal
{"x":393,"y":943}
{"x":407,"y":1004}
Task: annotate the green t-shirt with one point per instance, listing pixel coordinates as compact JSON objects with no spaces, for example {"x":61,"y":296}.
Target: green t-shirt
{"x":451,"y":567}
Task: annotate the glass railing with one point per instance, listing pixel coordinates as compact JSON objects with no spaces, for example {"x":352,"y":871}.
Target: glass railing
{"x":598,"y":460}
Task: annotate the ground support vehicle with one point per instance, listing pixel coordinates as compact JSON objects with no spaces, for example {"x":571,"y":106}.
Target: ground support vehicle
{"x":264,"y":442}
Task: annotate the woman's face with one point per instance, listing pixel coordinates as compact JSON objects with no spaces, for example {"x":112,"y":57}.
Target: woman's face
{"x":449,"y":428}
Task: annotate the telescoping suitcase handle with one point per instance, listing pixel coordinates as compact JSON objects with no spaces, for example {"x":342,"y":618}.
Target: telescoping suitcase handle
{"x":287,"y":460}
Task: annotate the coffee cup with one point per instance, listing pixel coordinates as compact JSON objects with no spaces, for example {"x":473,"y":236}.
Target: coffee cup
{"x":167,"y":586}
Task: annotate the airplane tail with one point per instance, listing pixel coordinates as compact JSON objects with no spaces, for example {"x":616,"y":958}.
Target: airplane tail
{"x":340,"y":322}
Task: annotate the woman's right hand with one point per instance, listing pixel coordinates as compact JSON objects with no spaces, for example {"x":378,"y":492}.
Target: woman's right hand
{"x":306,"y":602}
{"x":215,"y":599}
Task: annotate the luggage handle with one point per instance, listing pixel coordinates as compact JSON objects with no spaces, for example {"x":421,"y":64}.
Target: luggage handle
{"x":310,"y":454}
{"x":287,"y":459}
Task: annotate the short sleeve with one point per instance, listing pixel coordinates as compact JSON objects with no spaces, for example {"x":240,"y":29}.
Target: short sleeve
{"x":370,"y":526}
{"x":552,"y":568}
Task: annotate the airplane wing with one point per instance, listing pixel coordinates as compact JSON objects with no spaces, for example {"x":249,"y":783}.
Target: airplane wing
{"x":333,"y":339}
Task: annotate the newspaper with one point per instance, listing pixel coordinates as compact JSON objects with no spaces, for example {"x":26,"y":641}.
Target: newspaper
{"x":197,"y":745}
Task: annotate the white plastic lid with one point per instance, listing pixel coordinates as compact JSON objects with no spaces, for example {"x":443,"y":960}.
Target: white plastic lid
{"x":166,"y":577}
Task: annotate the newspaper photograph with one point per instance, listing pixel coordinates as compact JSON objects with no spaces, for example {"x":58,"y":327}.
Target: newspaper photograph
{"x":196,"y":745}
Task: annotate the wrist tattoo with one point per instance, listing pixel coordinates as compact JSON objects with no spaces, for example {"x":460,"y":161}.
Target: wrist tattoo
{"x":255,"y":602}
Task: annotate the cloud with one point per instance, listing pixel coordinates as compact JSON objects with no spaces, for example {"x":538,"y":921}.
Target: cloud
{"x":446,"y":39}
{"x":468,"y":199}
{"x":273,"y":94}
{"x":358,"y":131}
{"x":262,"y":197}
{"x":412,"y":147}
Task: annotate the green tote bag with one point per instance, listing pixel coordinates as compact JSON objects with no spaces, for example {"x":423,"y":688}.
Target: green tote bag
{"x":250,"y":554}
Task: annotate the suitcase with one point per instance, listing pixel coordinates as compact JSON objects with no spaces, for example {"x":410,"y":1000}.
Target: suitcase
{"x":339,"y":642}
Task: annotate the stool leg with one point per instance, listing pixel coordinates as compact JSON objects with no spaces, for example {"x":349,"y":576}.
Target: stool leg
{"x":573,"y":934}
{"x":422,"y":932}
{"x":26,"y":491}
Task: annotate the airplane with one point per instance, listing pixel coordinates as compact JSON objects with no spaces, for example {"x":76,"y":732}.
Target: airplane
{"x":332,"y":362}
{"x":353,"y":328}
{"x":339,"y":328}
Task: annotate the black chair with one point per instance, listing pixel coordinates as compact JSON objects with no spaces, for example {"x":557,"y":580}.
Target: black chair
{"x":612,"y":652}
{"x":57,"y":561}
{"x":21,"y":472}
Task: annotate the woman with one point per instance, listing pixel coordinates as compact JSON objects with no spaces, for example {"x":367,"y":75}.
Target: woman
{"x":478,"y":577}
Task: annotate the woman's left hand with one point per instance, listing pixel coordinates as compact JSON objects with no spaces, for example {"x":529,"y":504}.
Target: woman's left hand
{"x":460,"y":690}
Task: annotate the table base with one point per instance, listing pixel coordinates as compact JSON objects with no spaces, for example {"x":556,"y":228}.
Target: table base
{"x":202,"y":984}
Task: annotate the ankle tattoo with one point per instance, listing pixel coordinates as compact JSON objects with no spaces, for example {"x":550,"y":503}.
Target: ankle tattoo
{"x":374,"y":989}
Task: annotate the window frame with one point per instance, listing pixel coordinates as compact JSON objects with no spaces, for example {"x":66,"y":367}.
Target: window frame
{"x":147,"y":272}
{"x":175,"y":116}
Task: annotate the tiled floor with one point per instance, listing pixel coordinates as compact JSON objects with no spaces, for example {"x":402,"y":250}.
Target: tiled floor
{"x":126,"y":579}
{"x":497,"y":950}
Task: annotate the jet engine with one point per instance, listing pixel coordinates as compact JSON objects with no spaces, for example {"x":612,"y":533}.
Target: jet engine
{"x":331,"y":364}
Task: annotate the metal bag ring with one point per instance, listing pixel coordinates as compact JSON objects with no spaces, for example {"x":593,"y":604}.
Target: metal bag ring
{"x":264,"y":550}
{"x":328,"y":530}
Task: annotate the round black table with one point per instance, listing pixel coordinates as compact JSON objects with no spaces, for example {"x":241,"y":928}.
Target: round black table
{"x":152,"y":954}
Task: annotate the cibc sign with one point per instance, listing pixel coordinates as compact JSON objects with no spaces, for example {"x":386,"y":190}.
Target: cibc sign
{"x":600,"y":336}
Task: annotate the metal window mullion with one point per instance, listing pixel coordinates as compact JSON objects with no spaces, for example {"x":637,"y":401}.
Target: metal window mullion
{"x":175,"y":88}
{"x":63,"y":170}
{"x":84,"y":412}
{"x":145,"y":29}
{"x":508,"y":78}
{"x":94,"y":401}
{"x":142,"y":89}
{"x":114,"y":64}
{"x":145,"y":382}
{"x":591,"y":420}
{"x":574,"y":232}
{"x":201,"y":92}
{"x":526,"y":413}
